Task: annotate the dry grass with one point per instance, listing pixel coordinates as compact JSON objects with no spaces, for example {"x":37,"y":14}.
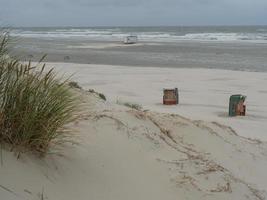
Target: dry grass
{"x":35,"y":105}
{"x":100,"y":95}
{"x":134,"y":106}
{"x":74,"y":84}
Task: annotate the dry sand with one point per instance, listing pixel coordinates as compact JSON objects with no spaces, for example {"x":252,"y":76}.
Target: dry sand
{"x":127,"y":154}
{"x":204,"y":93}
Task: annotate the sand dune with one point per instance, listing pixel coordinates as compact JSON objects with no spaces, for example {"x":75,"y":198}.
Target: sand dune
{"x":123,"y":153}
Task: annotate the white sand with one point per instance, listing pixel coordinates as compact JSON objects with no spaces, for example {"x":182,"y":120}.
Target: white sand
{"x":204,"y":93}
{"x":126,"y":154}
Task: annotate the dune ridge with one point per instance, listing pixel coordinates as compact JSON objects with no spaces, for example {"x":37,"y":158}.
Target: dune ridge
{"x":122,"y":153}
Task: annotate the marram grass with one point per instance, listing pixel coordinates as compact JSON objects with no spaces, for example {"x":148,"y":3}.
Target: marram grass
{"x":35,"y":107}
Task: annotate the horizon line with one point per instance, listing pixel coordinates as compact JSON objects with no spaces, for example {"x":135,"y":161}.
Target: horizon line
{"x":134,"y":26}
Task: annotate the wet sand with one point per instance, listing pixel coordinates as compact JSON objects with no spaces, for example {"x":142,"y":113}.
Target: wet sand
{"x":244,"y":56}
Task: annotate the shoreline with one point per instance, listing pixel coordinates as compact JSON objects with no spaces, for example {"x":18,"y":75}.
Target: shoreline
{"x":232,"y":56}
{"x":152,"y":67}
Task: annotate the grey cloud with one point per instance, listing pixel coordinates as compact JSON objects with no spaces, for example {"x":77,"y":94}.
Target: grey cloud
{"x":132,"y":12}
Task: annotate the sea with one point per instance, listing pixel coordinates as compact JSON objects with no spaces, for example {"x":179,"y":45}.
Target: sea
{"x":256,"y":34}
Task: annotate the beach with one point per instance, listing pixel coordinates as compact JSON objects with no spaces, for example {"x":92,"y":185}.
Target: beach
{"x":125,"y":144}
{"x":204,"y":93}
{"x":119,"y":152}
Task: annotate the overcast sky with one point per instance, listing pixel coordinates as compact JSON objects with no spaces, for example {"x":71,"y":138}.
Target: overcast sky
{"x":132,"y":12}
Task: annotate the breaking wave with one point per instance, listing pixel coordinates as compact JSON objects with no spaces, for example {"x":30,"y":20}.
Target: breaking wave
{"x":259,"y":35}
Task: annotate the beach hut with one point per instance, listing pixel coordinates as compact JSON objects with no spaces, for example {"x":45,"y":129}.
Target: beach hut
{"x":130,"y":40}
{"x":237,"y":105}
{"x":170,"y":96}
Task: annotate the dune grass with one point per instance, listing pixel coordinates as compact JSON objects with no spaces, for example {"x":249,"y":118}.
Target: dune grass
{"x":4,"y":38}
{"x":100,"y":95}
{"x":74,"y":84}
{"x":35,"y":105}
{"x":134,"y":106}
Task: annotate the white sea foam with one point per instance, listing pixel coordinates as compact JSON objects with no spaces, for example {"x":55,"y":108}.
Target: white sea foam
{"x":116,"y":34}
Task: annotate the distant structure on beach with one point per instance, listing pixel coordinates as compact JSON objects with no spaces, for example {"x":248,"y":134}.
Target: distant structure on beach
{"x":237,"y":105}
{"x":130,"y":40}
{"x":170,"y":96}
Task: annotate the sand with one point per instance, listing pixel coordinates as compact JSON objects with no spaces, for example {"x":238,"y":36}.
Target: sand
{"x":169,"y":152}
{"x":181,"y":54}
{"x":98,"y":45}
{"x":204,"y":93}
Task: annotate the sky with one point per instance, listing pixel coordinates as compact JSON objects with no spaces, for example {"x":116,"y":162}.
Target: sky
{"x":132,"y":12}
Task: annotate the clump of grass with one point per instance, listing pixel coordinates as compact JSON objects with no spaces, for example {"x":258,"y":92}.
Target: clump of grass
{"x":91,"y":91}
{"x":4,"y":38}
{"x":133,"y":106}
{"x":101,"y":96}
{"x":130,"y":105}
{"x":35,"y":106}
{"x":74,"y":85}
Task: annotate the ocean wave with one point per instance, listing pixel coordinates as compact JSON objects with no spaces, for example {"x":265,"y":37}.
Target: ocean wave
{"x":224,"y":36}
{"x":117,"y":34}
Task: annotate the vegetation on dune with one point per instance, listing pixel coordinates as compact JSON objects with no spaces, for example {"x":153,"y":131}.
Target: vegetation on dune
{"x":74,"y":84}
{"x":100,"y":95}
{"x":35,"y":105}
{"x":134,"y":106}
{"x":4,"y":38}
